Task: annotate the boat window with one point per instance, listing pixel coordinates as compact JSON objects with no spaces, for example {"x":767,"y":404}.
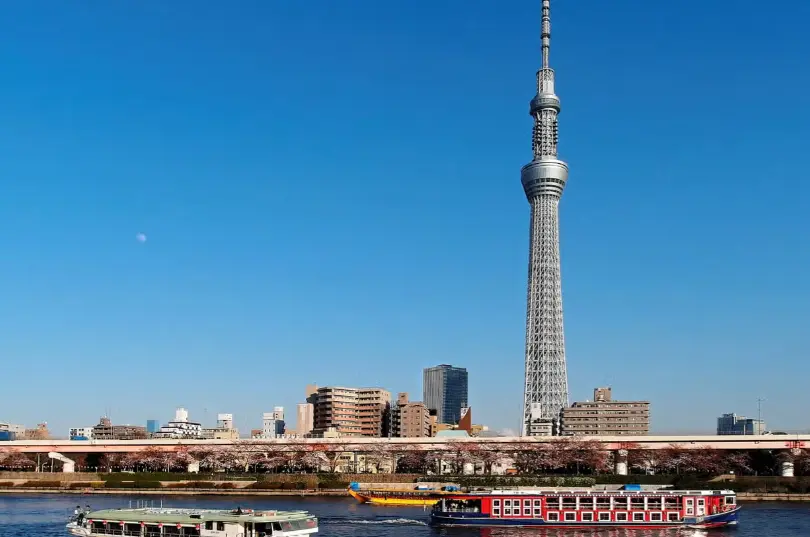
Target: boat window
{"x":638,"y":517}
{"x":654,"y":503}
{"x":276,"y":526}
{"x":496,"y":511}
{"x":636,"y":502}
{"x":730,"y":500}
{"x":171,"y":530}
{"x":537,"y":512}
{"x":188,"y":531}
{"x":537,"y":503}
{"x":527,"y":511}
{"x":496,"y":503}
{"x":220,"y":526}
{"x":603,"y":502}
{"x":132,"y":529}
{"x":621,"y":517}
{"x":152,"y":531}
{"x":507,"y":503}
{"x":569,"y":503}
{"x":587,"y":517}
{"x":671,"y":502}
{"x":621,"y":502}
{"x":604,"y":517}
{"x":655,"y":517}
{"x":553,"y":517}
{"x":527,"y":503}
{"x":209,"y":525}
{"x":673,"y":517}
{"x":570,"y":517}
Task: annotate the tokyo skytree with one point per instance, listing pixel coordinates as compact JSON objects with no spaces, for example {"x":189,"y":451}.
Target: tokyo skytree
{"x":546,"y":386}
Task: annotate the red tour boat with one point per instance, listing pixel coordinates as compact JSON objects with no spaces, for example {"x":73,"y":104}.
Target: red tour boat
{"x":630,"y":507}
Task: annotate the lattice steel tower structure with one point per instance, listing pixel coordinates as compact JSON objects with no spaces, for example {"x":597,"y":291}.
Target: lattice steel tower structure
{"x":546,"y":386}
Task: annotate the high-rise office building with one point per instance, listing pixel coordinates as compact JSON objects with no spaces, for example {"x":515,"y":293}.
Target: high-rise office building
{"x":734,"y":424}
{"x":546,"y":380}
{"x":444,"y":390}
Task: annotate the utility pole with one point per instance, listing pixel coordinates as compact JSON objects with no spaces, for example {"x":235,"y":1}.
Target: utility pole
{"x":759,"y":414}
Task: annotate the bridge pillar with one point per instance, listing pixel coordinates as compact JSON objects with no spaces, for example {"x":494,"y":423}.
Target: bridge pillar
{"x":788,"y":457}
{"x":68,"y":466}
{"x":194,"y":467}
{"x":620,"y":462}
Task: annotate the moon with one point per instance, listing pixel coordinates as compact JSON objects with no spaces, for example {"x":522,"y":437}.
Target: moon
{"x":140,"y":237}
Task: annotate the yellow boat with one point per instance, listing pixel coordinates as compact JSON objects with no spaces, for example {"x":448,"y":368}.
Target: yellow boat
{"x":398,"y":497}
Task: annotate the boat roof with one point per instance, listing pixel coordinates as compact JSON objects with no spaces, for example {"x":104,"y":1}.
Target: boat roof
{"x":595,"y":492}
{"x":194,"y":516}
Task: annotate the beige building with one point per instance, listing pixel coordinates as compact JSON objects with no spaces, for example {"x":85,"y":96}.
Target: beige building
{"x":605,"y":417}
{"x":351,"y":411}
{"x":410,"y":419}
{"x":105,"y":430}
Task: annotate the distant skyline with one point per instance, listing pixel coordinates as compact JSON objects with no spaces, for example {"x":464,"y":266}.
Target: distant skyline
{"x":331,"y":195}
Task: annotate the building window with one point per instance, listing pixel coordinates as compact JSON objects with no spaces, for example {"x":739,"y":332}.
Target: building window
{"x":553,"y":517}
{"x":621,"y":517}
{"x":570,"y":517}
{"x":655,"y":517}
{"x":638,"y":517}
{"x":673,"y":517}
{"x":587,"y":517}
{"x":604,"y":517}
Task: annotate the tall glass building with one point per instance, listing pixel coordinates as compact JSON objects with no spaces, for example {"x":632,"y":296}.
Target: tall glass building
{"x":152,"y":426}
{"x":445,"y":391}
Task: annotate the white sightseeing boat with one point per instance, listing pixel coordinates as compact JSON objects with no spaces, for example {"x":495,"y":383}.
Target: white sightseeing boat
{"x":168,"y":522}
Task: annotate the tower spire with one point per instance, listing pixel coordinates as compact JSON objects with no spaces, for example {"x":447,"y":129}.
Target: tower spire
{"x":546,"y":32}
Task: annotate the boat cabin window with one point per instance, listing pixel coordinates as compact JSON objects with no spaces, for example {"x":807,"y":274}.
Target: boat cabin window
{"x":673,"y":517}
{"x":171,"y":530}
{"x":731,"y":500}
{"x":276,"y":526}
{"x":636,"y":502}
{"x":132,"y":529}
{"x":671,"y":502}
{"x":655,"y":517}
{"x":570,"y":517}
{"x":151,"y":530}
{"x":569,"y":503}
{"x":496,"y":503}
{"x":621,"y":502}
{"x":537,"y":503}
{"x":604,"y":517}
{"x":654,"y":503}
{"x":553,"y":517}
{"x":638,"y":517}
{"x":587,"y":517}
{"x":209,"y":525}
{"x":473,"y":506}
{"x":621,"y":517}
{"x":603,"y":502}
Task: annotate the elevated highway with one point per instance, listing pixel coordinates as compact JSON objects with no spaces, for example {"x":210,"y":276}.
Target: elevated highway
{"x":609,"y":443}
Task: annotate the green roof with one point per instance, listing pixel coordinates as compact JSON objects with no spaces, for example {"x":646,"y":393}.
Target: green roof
{"x":194,"y":516}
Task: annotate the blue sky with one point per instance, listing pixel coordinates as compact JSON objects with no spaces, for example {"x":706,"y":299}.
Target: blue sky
{"x":331,"y":195}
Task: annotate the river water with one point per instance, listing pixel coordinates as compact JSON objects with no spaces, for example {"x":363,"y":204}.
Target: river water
{"x":45,"y":516}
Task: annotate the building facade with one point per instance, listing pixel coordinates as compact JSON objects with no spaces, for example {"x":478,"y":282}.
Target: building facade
{"x":80,"y":433}
{"x":445,"y":391}
{"x":409,"y":419}
{"x":105,"y":430}
{"x":351,"y":411}
{"x":152,"y":426}
{"x":734,"y":424}
{"x":605,"y":417}
{"x":180,"y":427}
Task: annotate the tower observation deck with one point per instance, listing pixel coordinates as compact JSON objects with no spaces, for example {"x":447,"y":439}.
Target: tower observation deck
{"x":544,"y":178}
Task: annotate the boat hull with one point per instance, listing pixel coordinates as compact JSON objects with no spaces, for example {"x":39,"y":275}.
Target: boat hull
{"x":728,"y":518}
{"x":379,"y":498}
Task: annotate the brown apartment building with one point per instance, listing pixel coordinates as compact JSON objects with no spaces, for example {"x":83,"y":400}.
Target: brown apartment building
{"x":351,"y":411}
{"x":605,"y":417}
{"x":105,"y":430}
{"x":410,"y":419}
